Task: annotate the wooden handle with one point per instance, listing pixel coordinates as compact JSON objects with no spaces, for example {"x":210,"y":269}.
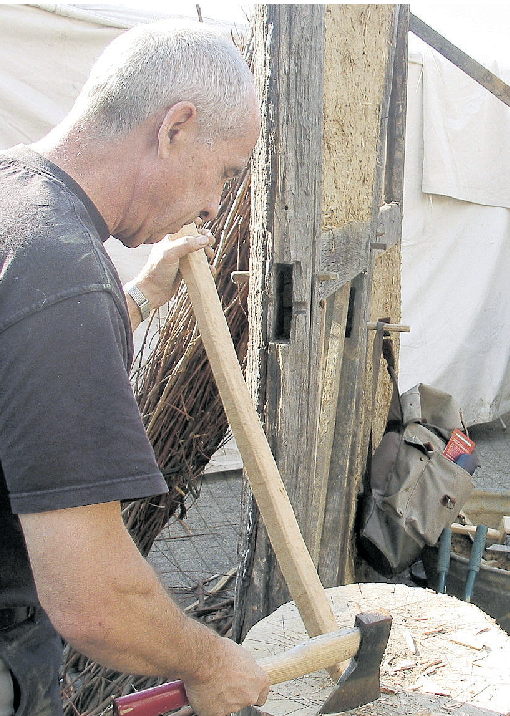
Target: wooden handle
{"x":268,"y":489}
{"x":311,"y":655}
{"x":317,"y":653}
{"x":458,"y":529}
{"x":395,"y":327}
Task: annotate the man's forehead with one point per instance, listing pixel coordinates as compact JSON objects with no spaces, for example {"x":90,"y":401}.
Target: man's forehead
{"x":240,"y":148}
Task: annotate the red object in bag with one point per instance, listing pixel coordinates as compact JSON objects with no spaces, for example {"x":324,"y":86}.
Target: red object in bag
{"x":458,"y":444}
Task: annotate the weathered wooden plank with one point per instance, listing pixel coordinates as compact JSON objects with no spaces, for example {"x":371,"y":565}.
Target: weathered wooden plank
{"x":286,"y":220}
{"x":395,"y":148}
{"x":333,"y":339}
{"x":292,"y":375}
{"x":344,"y":251}
{"x":318,"y":172}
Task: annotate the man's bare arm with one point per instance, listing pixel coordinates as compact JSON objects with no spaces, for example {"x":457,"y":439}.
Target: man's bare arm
{"x":105,"y":600}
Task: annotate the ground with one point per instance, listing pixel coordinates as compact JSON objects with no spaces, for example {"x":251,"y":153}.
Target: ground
{"x":493,"y":448}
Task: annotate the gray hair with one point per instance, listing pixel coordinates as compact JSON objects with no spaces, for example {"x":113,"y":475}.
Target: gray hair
{"x":153,"y":66}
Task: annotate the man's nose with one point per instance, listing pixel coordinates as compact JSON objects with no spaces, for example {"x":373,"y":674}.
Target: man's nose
{"x":210,"y":210}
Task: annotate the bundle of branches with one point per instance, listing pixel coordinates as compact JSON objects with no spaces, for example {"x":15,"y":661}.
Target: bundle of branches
{"x":175,"y":389}
{"x":185,"y":421}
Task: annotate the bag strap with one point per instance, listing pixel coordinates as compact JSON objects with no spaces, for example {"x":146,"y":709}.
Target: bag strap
{"x":383,"y":346}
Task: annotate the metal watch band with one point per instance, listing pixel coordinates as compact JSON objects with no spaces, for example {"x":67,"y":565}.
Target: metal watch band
{"x":141,"y":301}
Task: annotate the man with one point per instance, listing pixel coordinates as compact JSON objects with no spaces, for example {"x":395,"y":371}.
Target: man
{"x":167,"y":116}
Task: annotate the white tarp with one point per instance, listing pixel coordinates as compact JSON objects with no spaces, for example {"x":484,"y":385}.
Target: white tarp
{"x":466,"y":135}
{"x":44,"y":60}
{"x":456,"y":254}
{"x":456,"y":248}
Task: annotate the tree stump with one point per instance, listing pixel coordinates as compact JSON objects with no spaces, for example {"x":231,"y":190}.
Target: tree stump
{"x":444,"y":656}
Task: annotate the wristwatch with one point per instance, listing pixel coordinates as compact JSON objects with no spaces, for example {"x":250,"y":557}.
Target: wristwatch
{"x":140,"y":299}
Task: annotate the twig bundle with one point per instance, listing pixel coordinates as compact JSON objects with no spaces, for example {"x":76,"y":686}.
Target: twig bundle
{"x":175,"y":389}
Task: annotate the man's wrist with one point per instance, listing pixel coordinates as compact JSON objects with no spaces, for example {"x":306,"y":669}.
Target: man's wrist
{"x":140,"y":299}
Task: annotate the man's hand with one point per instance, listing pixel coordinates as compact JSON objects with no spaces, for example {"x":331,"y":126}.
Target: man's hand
{"x":230,"y":683}
{"x":158,"y":278}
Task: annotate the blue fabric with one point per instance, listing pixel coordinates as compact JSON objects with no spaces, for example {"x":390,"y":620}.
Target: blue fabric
{"x":32,"y":651}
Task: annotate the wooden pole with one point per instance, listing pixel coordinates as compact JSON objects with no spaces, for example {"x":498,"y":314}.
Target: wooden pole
{"x":265,"y":481}
{"x":460,"y":59}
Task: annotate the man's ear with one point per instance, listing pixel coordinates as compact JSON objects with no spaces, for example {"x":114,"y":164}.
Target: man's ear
{"x":178,"y":121}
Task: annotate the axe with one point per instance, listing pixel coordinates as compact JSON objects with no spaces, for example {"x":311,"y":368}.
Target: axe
{"x":364,"y":645}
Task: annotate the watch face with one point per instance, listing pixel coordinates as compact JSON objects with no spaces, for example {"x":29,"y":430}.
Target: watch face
{"x":145,"y":308}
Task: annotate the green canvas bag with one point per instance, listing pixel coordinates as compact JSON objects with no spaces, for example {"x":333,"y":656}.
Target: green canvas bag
{"x":411,"y":491}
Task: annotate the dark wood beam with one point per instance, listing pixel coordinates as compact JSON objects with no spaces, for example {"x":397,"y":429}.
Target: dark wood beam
{"x":460,"y":59}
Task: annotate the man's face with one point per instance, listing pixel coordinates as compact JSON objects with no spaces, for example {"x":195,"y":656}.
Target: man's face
{"x":188,"y":186}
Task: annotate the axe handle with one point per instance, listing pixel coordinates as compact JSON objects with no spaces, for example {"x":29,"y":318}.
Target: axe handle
{"x":266,"y":484}
{"x":311,"y":655}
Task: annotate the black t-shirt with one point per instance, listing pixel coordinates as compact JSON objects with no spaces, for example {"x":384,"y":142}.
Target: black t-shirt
{"x":70,"y":430}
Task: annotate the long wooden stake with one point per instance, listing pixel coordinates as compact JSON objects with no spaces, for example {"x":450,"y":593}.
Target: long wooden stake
{"x":265,"y":481}
{"x":460,"y":59}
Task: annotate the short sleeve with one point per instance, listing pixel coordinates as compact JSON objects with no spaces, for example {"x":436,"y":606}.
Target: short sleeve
{"x":71,"y":432}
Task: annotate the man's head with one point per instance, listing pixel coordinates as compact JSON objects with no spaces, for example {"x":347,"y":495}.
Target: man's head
{"x":167,"y":116}
{"x":153,"y":67}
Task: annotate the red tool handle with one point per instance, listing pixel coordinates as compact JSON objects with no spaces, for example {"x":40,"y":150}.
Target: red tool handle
{"x":152,"y":702}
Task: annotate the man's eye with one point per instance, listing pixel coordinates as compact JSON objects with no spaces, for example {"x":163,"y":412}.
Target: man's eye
{"x":232,"y":174}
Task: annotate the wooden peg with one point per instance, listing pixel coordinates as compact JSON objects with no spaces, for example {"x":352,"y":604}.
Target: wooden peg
{"x":395,"y":327}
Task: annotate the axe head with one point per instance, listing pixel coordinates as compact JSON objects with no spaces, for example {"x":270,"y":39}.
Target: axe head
{"x":360,"y":682}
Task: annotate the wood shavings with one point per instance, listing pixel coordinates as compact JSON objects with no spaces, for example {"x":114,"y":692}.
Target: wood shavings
{"x":466,"y":638}
{"x":402,"y":666}
{"x":411,"y":645}
{"x":428,"y":686}
{"x":433,"y":667}
{"x":442,"y":677}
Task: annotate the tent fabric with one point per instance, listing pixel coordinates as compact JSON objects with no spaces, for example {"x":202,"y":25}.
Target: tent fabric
{"x":107,"y":15}
{"x":44,"y":61}
{"x":455,"y":265}
{"x":123,"y":17}
{"x":466,"y":135}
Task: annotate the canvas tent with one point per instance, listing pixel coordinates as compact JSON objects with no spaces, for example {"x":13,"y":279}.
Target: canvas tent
{"x":456,"y":237}
{"x":456,"y":248}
